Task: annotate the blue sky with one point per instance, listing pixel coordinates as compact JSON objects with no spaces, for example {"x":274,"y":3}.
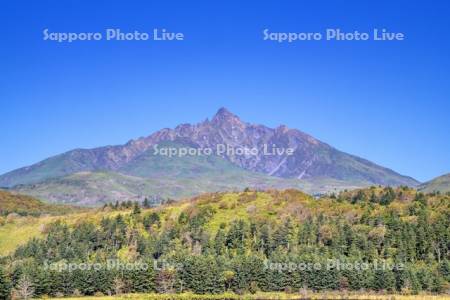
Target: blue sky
{"x":384,"y":101}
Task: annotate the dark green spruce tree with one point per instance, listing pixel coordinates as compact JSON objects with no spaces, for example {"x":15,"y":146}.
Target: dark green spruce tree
{"x":5,"y":285}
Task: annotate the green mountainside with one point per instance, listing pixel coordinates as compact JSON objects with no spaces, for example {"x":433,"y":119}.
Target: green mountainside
{"x":98,"y":188}
{"x":26,"y":205}
{"x":56,"y":166}
{"x":438,"y":184}
{"x":162,"y":177}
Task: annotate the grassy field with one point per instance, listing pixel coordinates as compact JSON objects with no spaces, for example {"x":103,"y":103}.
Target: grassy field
{"x":257,"y":296}
{"x":15,"y":234}
{"x":19,"y":230}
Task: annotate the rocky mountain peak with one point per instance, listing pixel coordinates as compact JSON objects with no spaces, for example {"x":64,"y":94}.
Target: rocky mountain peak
{"x":225,"y":117}
{"x":311,"y":158}
{"x":223,"y":111}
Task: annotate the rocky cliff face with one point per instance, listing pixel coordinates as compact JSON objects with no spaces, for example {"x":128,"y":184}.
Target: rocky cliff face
{"x":249,"y":146}
{"x":310,"y":158}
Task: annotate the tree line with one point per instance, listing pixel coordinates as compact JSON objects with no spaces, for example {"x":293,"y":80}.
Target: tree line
{"x":185,"y":254}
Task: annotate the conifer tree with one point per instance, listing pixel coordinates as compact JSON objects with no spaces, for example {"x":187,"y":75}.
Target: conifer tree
{"x":136,"y":208}
{"x":5,"y":285}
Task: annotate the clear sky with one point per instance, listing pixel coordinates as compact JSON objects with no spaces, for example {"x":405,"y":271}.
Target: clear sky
{"x":384,"y":101}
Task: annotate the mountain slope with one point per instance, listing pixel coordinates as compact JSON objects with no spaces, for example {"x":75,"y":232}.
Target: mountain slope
{"x":97,"y":188}
{"x":26,"y":205}
{"x":311,"y":162}
{"x":311,"y":158}
{"x":78,"y":160}
{"x":438,"y":184}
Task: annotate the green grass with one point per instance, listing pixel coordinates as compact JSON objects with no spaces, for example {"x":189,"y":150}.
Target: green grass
{"x":19,"y":232}
{"x":23,"y":217}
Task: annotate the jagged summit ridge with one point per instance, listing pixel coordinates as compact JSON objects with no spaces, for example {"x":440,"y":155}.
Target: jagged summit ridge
{"x":310,"y":159}
{"x":224,"y":113}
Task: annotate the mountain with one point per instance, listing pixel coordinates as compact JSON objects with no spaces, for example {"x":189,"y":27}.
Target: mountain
{"x":96,"y":188}
{"x":438,"y":184}
{"x":166,"y":177}
{"x":236,"y":147}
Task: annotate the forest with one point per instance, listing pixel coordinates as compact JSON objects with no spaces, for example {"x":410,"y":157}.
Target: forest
{"x":378,"y":239}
